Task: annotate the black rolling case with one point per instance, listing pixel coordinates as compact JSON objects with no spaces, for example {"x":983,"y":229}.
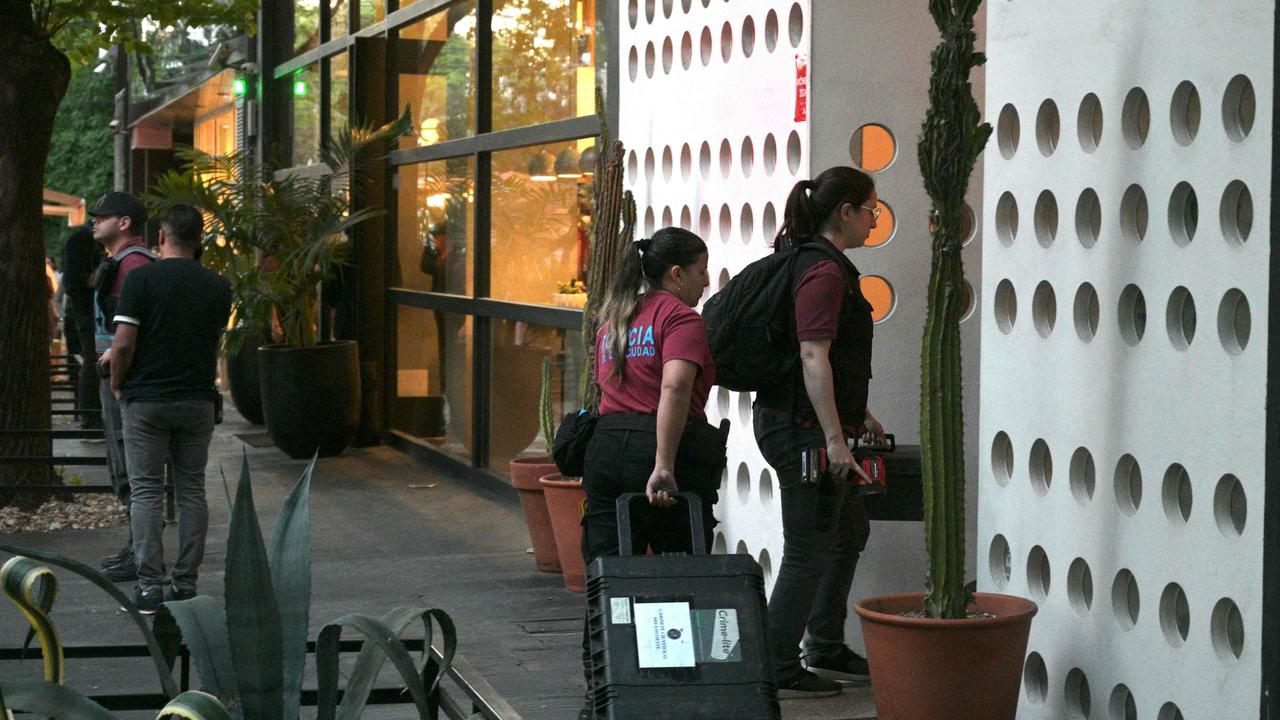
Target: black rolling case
{"x":680,"y":637}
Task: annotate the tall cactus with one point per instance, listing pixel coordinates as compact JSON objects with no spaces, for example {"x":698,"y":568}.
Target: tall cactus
{"x":546,"y":416}
{"x":950,"y":142}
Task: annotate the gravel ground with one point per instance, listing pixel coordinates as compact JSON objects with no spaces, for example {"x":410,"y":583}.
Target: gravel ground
{"x":82,"y":512}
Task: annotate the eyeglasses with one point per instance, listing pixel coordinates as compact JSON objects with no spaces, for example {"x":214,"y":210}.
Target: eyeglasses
{"x":875,"y":212}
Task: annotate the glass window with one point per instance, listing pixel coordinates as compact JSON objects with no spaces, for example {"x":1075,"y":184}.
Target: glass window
{"x":304,"y":90}
{"x":518,"y":351}
{"x":306,"y":25}
{"x":339,"y":18}
{"x":435,"y":218}
{"x":433,"y":378}
{"x":216,"y":133}
{"x":541,"y":213}
{"x":544,"y":61}
{"x":372,"y":11}
{"x":435,"y":61}
{"x":339,"y":91}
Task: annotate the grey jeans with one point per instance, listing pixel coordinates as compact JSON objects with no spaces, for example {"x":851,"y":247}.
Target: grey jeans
{"x":824,"y":529}
{"x":113,"y":433}
{"x":179,"y":430}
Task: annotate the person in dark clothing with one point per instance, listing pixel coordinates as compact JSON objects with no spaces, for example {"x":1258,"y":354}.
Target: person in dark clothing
{"x":823,"y":405}
{"x":169,"y":322}
{"x":79,"y":258}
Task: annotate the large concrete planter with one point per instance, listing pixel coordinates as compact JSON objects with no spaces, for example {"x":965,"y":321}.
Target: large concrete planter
{"x":926,"y":669}
{"x":565,"y":501}
{"x":244,"y":379}
{"x":524,"y":478}
{"x":311,"y":397}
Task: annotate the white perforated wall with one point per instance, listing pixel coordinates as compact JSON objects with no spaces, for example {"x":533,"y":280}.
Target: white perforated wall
{"x":707,"y":113}
{"x":1123,"y":356}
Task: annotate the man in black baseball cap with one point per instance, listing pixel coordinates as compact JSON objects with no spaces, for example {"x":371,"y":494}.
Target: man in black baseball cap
{"x":121,"y":205}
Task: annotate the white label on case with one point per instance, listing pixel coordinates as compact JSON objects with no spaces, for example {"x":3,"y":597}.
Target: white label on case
{"x":621,"y":608}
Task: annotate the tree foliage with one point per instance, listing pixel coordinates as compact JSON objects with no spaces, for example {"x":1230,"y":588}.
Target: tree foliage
{"x":81,"y":158}
{"x":81,"y":29}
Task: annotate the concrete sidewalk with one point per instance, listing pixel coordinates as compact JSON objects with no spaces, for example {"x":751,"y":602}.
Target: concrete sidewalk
{"x":386,"y":531}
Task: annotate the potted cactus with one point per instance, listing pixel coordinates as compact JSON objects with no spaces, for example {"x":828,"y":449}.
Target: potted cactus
{"x":525,"y":472}
{"x":948,"y":652}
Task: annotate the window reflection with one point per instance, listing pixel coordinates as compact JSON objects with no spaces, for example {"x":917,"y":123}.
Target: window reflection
{"x":435,"y":217}
{"x":339,"y":91}
{"x":373,"y":11}
{"x":306,"y":25}
{"x":433,"y":378}
{"x":518,"y":352}
{"x":339,"y":18}
{"x":435,"y":61}
{"x":541,"y":215}
{"x":304,"y":89}
{"x":544,"y":61}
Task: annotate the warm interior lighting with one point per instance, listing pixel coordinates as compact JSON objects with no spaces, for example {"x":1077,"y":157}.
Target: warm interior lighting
{"x":567,"y":165}
{"x":541,"y":167}
{"x":429,"y":130}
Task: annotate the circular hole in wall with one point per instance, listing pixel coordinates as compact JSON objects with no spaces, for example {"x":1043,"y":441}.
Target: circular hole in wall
{"x":704,"y":160}
{"x":1006,"y":306}
{"x":1238,"y":108}
{"x":1169,"y":711}
{"x":668,"y":56}
{"x":668,"y":163}
{"x":1236,"y":212}
{"x":1080,"y":586}
{"x":1082,"y":476}
{"x":744,"y":480}
{"x":968,"y":226}
{"x":1234,"y":321}
{"x":744,"y":417}
{"x":650,"y":59}
{"x":633,"y":12}
{"x":880,"y":294}
{"x":686,"y":161}
{"x":1180,"y":318}
{"x":795,"y":25}
{"x":1044,"y":308}
{"x":719,"y":546}
{"x":746,"y":224}
{"x":649,"y":10}
{"x":1125,"y":599}
{"x":764,"y":485}
{"x":1184,"y":113}
{"x":872,"y":147}
{"x":633,"y":63}
{"x":769,"y":222}
{"x":1134,"y":213}
{"x":741,"y":548}
{"x":722,"y":279}
{"x":1184,"y":213}
{"x":633,"y":166}
{"x":726,"y":42}
{"x":1133,"y":314}
{"x":1135,"y":118}
{"x":726,"y":223}
{"x":1048,"y":126}
{"x":1128,"y":485}
{"x":649,"y":165}
{"x":1008,"y":129}
{"x":883,"y":232}
{"x":650,"y":224}
{"x":1175,"y":494}
{"x":1089,"y":123}
{"x":1226,"y":629}
{"x":1035,"y":678}
{"x":704,"y":222}
{"x":1079,"y":702}
{"x":666,"y":8}
{"x":705,"y":46}
{"x":1040,"y":465}
{"x":686,"y":51}
{"x":747,"y":156}
{"x":1006,"y":218}
{"x":726,"y":159}
{"x":770,"y":154}
{"x":686,"y":4}
{"x":722,"y":404}
{"x":666,"y":217}
{"x":766,"y":565}
{"x":793,"y":152}
{"x":1085,"y":311}
{"x":1175,"y":615}
{"x":1038,"y":575}
{"x":1230,"y":506}
{"x":771,"y":30}
{"x":1121,"y":706}
{"x":686,"y":218}
{"x":748,"y":36}
{"x":1088,"y":217}
{"x":1000,"y":562}
{"x":1002,"y":458}
{"x":1046,"y":218}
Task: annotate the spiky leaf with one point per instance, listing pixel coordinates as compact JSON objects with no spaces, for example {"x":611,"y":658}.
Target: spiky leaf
{"x":289,"y":555}
{"x":204,"y":630}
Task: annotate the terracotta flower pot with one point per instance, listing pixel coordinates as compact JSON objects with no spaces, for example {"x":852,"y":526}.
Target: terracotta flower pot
{"x":565,"y":500}
{"x":924,"y":669}
{"x":524,"y":478}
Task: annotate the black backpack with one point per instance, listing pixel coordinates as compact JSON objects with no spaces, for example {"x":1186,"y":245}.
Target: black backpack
{"x":751,"y":322}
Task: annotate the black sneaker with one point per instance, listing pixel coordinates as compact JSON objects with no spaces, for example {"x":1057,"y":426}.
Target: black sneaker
{"x":126,"y":553}
{"x":148,"y":600}
{"x":845,"y":666}
{"x":124,"y":572}
{"x":807,"y":685}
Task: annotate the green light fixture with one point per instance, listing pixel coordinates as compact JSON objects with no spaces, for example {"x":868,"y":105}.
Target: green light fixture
{"x":239,"y":87}
{"x":300,"y":88}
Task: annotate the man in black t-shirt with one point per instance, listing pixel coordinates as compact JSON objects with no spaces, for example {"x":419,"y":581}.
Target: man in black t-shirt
{"x":168,"y":323}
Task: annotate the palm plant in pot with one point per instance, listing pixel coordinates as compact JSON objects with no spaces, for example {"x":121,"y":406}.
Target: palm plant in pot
{"x":948,"y":652}
{"x":288,"y":233}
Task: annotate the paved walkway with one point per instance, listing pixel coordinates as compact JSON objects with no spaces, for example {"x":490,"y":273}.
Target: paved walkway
{"x":387,"y":531}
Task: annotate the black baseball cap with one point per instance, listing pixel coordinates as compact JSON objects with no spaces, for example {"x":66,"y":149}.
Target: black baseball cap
{"x":121,"y":203}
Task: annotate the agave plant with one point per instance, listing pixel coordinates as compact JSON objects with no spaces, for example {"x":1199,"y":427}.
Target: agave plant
{"x":278,"y":238}
{"x":255,"y":672}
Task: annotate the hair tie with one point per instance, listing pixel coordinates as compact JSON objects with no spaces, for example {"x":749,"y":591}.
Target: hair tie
{"x":643,"y":245}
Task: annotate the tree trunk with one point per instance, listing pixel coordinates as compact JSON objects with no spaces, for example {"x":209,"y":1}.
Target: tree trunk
{"x":33,"y":79}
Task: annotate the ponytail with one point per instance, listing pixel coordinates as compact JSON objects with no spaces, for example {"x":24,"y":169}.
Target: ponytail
{"x":812,"y":203}
{"x":643,"y":265}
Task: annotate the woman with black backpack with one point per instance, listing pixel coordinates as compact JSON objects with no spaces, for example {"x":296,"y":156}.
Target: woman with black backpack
{"x":814,"y":412}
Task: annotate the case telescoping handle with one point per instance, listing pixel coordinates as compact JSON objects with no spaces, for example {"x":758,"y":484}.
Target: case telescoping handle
{"x":691,"y":500}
